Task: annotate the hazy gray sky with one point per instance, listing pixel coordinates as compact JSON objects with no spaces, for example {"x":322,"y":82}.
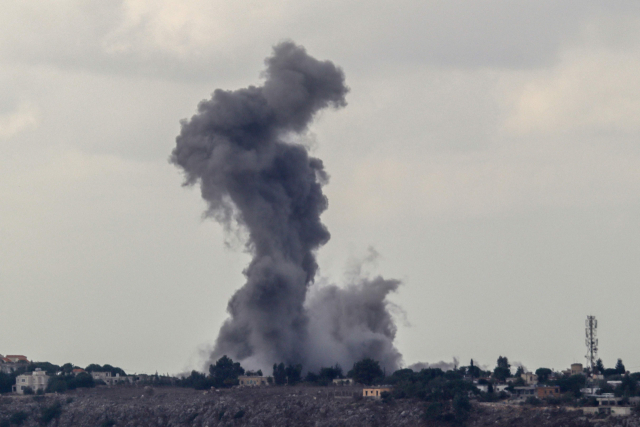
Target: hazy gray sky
{"x":489,"y":152}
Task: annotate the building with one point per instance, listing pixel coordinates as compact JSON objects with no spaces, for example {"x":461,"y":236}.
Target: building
{"x":608,"y":399}
{"x":252,"y":381}
{"x":343,"y":381}
{"x":529,"y":378}
{"x":497,"y":388}
{"x":14,"y":358}
{"x":548,"y":391}
{"x":109,"y":379}
{"x":576,"y":369}
{"x":590,"y":391}
{"x":36,"y":380}
{"x":12,"y":363}
{"x":524,"y":391}
{"x":77,"y":371}
{"x":376,"y":391}
{"x":608,"y":404}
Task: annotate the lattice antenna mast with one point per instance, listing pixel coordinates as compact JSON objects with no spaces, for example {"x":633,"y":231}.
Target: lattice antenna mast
{"x":591,"y":341}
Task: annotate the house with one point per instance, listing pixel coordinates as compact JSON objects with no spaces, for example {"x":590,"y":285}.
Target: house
{"x":36,"y":380}
{"x":343,"y":381}
{"x":608,"y":404}
{"x":252,"y":381}
{"x":12,"y":363}
{"x":524,"y":391}
{"x":608,"y":399}
{"x":77,"y":371}
{"x":619,"y":411}
{"x":376,"y":391}
{"x":13,"y":358}
{"x":590,"y":391}
{"x":497,"y":388}
{"x":109,"y":379}
{"x":529,"y":378}
{"x":576,"y":369}
{"x":548,"y":391}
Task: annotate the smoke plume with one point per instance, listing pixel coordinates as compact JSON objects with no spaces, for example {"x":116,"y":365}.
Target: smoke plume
{"x":239,"y":149}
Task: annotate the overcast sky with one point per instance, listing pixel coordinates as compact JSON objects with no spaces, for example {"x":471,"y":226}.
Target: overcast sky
{"x":489,"y":153}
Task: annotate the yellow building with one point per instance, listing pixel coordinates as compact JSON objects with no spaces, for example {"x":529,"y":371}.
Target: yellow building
{"x":376,"y":391}
{"x":253,"y":381}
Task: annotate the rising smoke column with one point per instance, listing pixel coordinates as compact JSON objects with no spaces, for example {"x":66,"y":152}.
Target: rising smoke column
{"x":235,"y":148}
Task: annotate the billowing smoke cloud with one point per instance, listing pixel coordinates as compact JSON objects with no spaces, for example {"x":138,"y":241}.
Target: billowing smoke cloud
{"x":350,"y":323}
{"x":239,"y":148}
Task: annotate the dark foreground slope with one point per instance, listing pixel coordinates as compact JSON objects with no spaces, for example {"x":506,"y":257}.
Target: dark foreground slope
{"x":139,"y":407}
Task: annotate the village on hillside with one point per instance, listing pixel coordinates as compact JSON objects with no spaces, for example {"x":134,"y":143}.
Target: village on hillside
{"x":613,"y":391}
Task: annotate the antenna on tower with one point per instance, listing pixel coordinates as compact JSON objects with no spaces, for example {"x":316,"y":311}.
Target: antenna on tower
{"x":591,"y":341}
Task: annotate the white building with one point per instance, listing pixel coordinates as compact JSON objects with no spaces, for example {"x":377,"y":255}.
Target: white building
{"x":110,"y":379}
{"x":36,"y":380}
{"x":529,"y":378}
{"x":252,"y":380}
{"x":343,"y":381}
{"x":12,"y":363}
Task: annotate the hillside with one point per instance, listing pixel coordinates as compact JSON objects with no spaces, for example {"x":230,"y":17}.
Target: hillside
{"x":281,"y":406}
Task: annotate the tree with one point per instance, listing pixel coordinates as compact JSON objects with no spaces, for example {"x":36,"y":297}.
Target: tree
{"x":279,"y":374}
{"x":197,"y":380}
{"x":543,"y":374}
{"x":473,"y":370}
{"x":628,"y":387}
{"x":609,"y":372}
{"x":294,"y":374}
{"x":331,"y":373}
{"x":367,"y":371}
{"x":68,"y":368}
{"x":502,"y":370}
{"x":600,"y":366}
{"x":225,"y":372}
{"x":620,"y":367}
{"x":519,"y":371}
{"x":84,"y":380}
{"x":6,"y":382}
{"x":461,"y":407}
{"x":572,"y":384}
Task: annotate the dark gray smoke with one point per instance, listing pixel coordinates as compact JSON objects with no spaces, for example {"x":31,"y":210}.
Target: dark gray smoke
{"x":235,"y":148}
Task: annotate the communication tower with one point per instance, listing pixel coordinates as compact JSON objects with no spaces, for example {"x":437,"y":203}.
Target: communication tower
{"x":592,"y":342}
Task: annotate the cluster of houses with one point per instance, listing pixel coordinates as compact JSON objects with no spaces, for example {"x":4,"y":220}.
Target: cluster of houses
{"x":11,"y":363}
{"x":38,"y":380}
{"x":607,"y":402}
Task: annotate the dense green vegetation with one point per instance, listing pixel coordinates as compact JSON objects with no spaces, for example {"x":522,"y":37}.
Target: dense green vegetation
{"x":224,"y":373}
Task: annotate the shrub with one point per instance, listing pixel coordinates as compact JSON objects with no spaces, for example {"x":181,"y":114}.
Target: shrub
{"x":50,"y":412}
{"x":108,"y":423}
{"x":239,"y":414}
{"x":531,"y":400}
{"x":27,"y":390}
{"x":5,"y":423}
{"x":57,"y":385}
{"x":433,"y":411}
{"x":18,"y":418}
{"x":461,"y":407}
